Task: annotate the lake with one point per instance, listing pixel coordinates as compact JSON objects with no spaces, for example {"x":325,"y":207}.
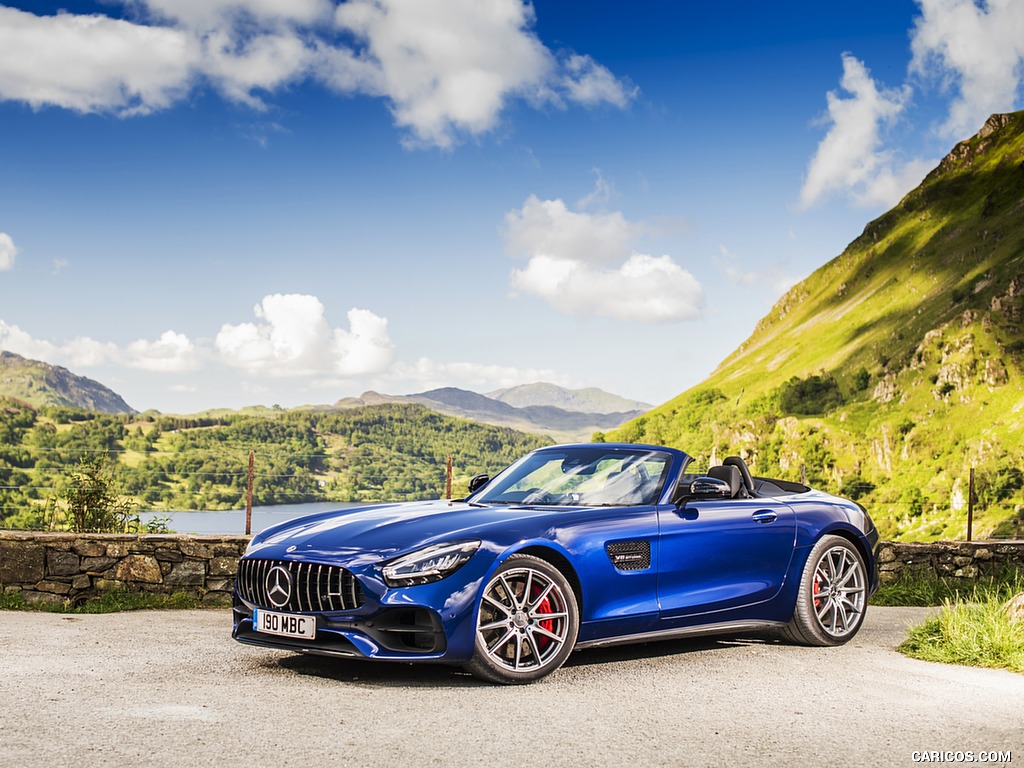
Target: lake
{"x":233,"y":521}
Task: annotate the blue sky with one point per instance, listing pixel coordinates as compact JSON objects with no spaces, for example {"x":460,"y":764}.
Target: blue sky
{"x":217,"y":203}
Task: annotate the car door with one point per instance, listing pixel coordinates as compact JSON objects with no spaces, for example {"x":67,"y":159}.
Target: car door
{"x":720,"y":554}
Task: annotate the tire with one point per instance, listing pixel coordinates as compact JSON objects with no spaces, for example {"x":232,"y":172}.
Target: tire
{"x":526,"y":624}
{"x":832,"y":597}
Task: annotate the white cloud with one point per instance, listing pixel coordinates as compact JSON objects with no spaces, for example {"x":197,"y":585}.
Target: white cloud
{"x":266,"y":63}
{"x":977,"y":46}
{"x":13,"y":339}
{"x":290,"y":338}
{"x":171,"y":353}
{"x":79,"y":352}
{"x":366,"y":348}
{"x":584,"y":263}
{"x":548,"y":227}
{"x":587,"y":82}
{"x":93,"y":63}
{"x":447,"y":68}
{"x":213,"y":14}
{"x":644,"y":288}
{"x":851,"y":158}
{"x":294,"y":339}
{"x":8,"y":252}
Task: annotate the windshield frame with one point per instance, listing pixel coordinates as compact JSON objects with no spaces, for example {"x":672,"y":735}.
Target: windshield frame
{"x":591,"y":466}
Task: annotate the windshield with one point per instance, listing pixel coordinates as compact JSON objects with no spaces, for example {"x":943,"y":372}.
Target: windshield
{"x":580,"y":477}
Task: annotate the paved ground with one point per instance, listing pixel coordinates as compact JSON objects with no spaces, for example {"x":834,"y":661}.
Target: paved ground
{"x":172,"y":689}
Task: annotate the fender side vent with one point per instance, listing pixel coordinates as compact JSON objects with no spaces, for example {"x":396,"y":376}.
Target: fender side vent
{"x":630,"y":555}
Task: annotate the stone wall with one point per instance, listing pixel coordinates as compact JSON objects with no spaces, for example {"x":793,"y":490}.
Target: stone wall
{"x":951,"y":559}
{"x":71,"y":567}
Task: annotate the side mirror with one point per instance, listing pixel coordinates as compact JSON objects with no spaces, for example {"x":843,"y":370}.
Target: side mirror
{"x":704,"y":488}
{"x":478,"y":481}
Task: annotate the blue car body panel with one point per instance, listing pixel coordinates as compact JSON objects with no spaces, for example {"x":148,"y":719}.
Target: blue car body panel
{"x":716,"y":564}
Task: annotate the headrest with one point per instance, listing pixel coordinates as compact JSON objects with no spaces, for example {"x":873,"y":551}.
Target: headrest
{"x":729,"y":474}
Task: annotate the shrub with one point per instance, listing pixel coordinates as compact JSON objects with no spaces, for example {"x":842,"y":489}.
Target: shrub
{"x":855,"y":486}
{"x":811,"y":396}
{"x":861,"y":380}
{"x":91,"y":504}
{"x":914,"y":501}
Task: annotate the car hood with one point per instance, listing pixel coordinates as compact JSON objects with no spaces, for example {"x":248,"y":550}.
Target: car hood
{"x":374,"y":533}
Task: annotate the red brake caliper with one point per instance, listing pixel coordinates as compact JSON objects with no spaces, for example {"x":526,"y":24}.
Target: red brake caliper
{"x":816,"y":591}
{"x":549,"y":624}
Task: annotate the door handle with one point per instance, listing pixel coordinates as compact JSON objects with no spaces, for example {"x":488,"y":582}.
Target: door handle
{"x":765,"y":516}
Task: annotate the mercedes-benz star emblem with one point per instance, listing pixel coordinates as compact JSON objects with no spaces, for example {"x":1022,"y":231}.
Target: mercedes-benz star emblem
{"x":279,"y":586}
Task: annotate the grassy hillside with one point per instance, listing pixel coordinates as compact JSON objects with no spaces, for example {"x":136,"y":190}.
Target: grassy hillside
{"x":41,"y":384}
{"x":898,"y":366}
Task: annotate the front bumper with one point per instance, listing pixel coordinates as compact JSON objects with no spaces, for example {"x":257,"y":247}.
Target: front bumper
{"x":397,"y":634}
{"x":427,"y":622}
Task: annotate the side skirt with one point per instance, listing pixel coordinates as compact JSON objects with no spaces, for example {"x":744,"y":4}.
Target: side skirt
{"x":724,"y":627}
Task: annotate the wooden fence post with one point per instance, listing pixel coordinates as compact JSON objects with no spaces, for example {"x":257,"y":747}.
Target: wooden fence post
{"x":970,"y":506}
{"x":448,"y":480}
{"x":248,"y":495}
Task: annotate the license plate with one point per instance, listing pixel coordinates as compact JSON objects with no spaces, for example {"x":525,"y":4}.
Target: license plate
{"x":284,"y":624}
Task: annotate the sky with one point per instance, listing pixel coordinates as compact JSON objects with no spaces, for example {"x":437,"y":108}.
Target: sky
{"x":221,"y":203}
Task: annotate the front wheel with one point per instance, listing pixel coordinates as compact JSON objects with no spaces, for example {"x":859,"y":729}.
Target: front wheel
{"x":833,"y":595}
{"x":527,"y":624}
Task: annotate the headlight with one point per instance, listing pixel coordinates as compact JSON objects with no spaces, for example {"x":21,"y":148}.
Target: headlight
{"x":429,"y":564}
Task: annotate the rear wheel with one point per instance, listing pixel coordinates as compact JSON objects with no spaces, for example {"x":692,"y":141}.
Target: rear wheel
{"x":527,"y":622}
{"x":833,"y":595}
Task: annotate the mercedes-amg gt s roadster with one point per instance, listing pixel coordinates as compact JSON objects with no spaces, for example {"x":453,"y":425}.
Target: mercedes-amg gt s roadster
{"x":573,"y":546}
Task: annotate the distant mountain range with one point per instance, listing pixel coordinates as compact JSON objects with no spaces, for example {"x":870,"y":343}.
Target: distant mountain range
{"x":589,"y":400}
{"x":40,"y":384}
{"x":547,"y":409}
{"x":539,"y":414}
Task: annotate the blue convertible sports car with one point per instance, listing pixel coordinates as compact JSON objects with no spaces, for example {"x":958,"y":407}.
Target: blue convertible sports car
{"x":573,"y":546}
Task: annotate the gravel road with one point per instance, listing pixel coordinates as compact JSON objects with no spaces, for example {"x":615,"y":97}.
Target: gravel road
{"x":172,"y":689}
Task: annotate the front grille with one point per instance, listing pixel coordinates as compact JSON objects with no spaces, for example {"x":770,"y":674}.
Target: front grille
{"x":311,"y":586}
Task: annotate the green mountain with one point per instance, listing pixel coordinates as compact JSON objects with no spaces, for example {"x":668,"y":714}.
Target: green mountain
{"x":897,"y":367}
{"x":41,"y":384}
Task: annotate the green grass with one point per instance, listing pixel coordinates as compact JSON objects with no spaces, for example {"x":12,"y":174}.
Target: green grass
{"x":109,"y":602}
{"x":975,"y":634}
{"x":972,"y":629}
